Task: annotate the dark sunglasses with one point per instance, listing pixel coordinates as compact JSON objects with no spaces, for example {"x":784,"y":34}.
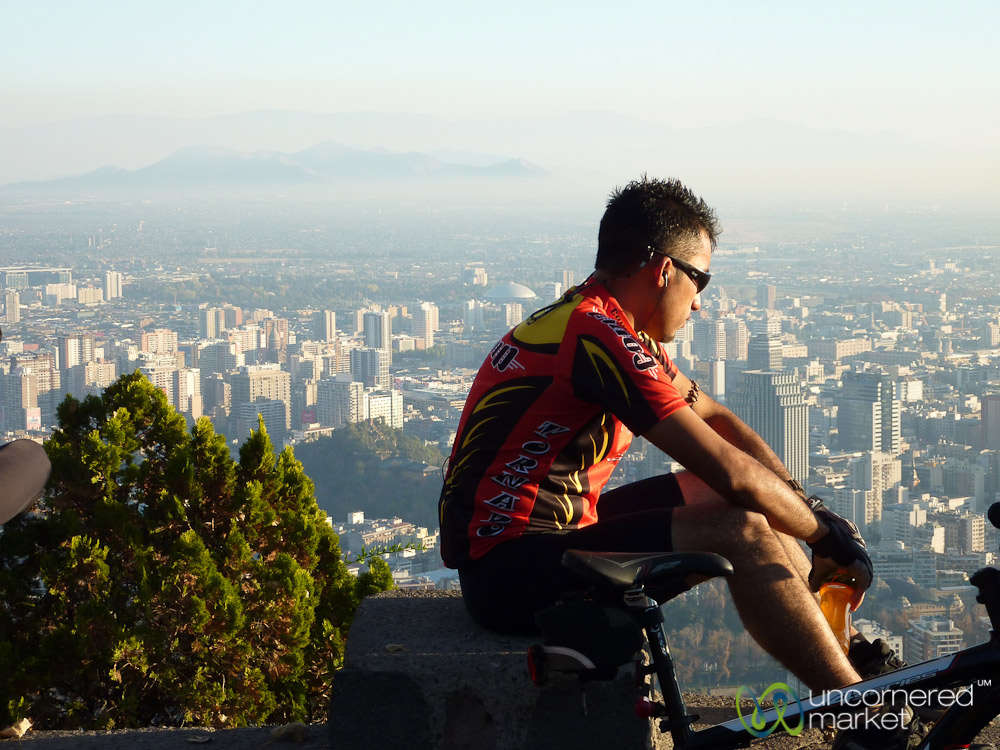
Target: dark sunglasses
{"x":698,"y":276}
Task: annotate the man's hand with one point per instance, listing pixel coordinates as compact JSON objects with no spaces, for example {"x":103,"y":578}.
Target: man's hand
{"x":841,"y":548}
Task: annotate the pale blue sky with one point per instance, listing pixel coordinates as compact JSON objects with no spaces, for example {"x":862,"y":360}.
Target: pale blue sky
{"x":927,"y":70}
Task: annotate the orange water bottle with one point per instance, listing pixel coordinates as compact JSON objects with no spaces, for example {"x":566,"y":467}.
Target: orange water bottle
{"x":835,"y":601}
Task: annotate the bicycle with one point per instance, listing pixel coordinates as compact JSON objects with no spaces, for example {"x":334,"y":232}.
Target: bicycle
{"x":628,"y":590}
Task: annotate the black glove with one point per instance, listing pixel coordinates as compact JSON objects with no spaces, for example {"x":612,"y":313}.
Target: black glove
{"x":842,"y":548}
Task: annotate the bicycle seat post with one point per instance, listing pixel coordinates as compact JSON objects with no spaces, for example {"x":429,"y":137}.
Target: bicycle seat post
{"x":677,"y":721}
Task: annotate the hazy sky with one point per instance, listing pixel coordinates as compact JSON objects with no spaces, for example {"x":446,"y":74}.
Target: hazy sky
{"x":929,"y":70}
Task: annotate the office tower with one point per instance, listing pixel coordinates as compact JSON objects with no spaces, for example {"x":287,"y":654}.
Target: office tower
{"x":737,"y":338}
{"x":161,"y":370}
{"x":716,"y":385}
{"x":764,"y":353}
{"x":371,"y":367}
{"x":475,"y":275}
{"x":880,"y":475}
{"x":766,"y":296}
{"x":90,"y":379}
{"x":378,"y":330}
{"x":552,"y":291}
{"x":20,"y":400}
{"x":211,"y":322}
{"x":232,"y":317}
{"x":425,"y":323}
{"x":568,"y":278}
{"x":709,"y":339}
{"x":386,"y":406}
{"x":339,"y":401}
{"x":773,"y":405}
{"x":268,"y":382}
{"x":991,"y":421}
{"x":112,"y":285}
{"x":12,"y":306}
{"x":159,"y":341}
{"x":868,"y":413}
{"x":513,"y":313}
{"x":217,"y":395}
{"x":475,"y":317}
{"x":324,"y":325}
{"x":219,"y":357}
{"x":768,"y":324}
{"x":75,"y":350}
{"x":187,"y":392}
{"x":275,"y":414}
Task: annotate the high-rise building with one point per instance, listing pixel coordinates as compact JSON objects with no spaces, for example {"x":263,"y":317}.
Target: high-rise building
{"x":211,"y":322}
{"x":20,"y":399}
{"x":340,"y":401}
{"x":187,"y":390}
{"x":766,"y":296}
{"x":869,"y":413}
{"x":475,"y":275}
{"x":475,"y":316}
{"x":12,"y":306}
{"x":513,"y":313}
{"x":112,"y":285}
{"x":159,"y":341}
{"x":378,"y":330}
{"x":219,"y":357}
{"x":764,"y":353}
{"x":710,"y":339}
{"x":371,"y":367}
{"x":325,"y":325}
{"x":737,"y":338}
{"x":90,"y":379}
{"x":274,"y":413}
{"x":161,"y":370}
{"x":773,"y":405}
{"x":425,"y":323}
{"x":266,"y":382}
{"x":879,"y":476}
{"x":75,"y":350}
{"x":991,"y":421}
{"x":386,"y":406}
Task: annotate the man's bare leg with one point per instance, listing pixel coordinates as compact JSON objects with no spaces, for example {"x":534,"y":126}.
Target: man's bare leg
{"x":769,"y":594}
{"x":695,"y":492}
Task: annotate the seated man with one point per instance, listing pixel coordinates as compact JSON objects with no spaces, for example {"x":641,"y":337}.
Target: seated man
{"x":552,"y":411}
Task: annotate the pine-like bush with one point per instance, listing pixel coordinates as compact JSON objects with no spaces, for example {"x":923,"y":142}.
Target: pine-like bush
{"x":159,"y":582}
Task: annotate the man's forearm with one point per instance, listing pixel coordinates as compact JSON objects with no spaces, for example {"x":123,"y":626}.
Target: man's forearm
{"x":738,"y":433}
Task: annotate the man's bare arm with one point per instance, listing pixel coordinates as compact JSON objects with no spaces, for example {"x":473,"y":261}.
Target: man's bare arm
{"x":734,"y":473}
{"x":733,"y":429}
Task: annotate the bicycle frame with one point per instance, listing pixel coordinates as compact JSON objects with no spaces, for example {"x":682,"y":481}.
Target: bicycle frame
{"x":972,"y":666}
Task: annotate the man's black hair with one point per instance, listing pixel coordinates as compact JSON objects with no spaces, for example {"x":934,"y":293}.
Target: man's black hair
{"x":649,"y":213}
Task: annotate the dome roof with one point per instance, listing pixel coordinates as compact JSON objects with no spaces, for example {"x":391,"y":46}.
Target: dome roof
{"x":510,"y":293}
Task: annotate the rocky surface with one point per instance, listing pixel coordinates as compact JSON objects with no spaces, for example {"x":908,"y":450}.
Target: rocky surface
{"x":712,"y":709}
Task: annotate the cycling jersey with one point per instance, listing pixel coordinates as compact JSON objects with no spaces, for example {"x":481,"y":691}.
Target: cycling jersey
{"x":551,"y":412}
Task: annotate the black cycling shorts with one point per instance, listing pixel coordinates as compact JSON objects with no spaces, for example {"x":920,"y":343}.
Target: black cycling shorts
{"x":504,"y":588}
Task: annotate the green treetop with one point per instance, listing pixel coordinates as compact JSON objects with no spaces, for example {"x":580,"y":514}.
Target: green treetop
{"x":160,"y":582}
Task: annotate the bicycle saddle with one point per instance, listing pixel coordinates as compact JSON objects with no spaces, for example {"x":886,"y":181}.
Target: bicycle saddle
{"x":624,"y":570}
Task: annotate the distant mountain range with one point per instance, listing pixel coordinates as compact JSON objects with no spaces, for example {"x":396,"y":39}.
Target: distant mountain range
{"x":584,"y":154}
{"x":196,"y":167}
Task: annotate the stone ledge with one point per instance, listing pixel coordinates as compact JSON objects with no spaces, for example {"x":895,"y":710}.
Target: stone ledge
{"x":421,"y":671}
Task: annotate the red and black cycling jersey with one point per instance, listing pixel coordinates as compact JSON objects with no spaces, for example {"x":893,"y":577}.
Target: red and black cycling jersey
{"x":551,"y":412}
